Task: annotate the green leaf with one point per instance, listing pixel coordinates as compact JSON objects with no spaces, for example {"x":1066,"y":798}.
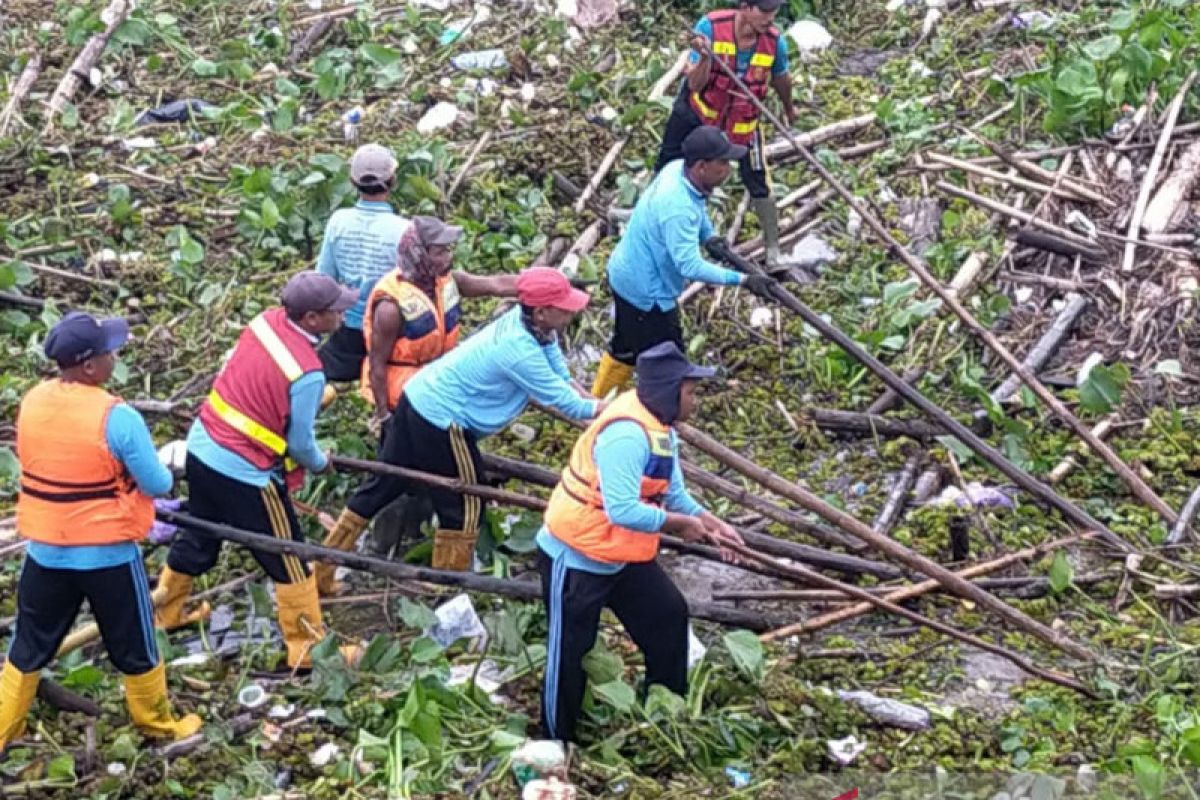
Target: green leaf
{"x":204,"y":68}
{"x":1061,"y":573}
{"x":1079,"y":81}
{"x":661,"y":700}
{"x":1149,"y":776}
{"x":505,"y":740}
{"x":617,"y":694}
{"x":61,"y":768}
{"x":895,"y":292}
{"x":1122,"y":20}
{"x":1101,"y":390}
{"x":418,"y":187}
{"x":190,"y":251}
{"x":120,"y":374}
{"x":425,"y":650}
{"x":602,"y":665}
{"x":123,"y":748}
{"x":747,"y":652}
{"x":415,"y":615}
{"x":83,"y":677}
{"x":960,"y":450}
{"x":133,"y":31}
{"x":380,"y":55}
{"x":270,"y":214}
{"x":10,"y":465}
{"x":260,"y":601}
{"x":1103,"y":48}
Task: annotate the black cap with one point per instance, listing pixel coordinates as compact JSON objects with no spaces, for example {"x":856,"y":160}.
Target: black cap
{"x":79,"y":336}
{"x":707,"y":143}
{"x":665,"y":363}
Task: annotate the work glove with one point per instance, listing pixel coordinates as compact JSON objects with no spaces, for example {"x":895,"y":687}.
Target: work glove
{"x":760,"y":285}
{"x":163,"y":532}
{"x":173,"y":456}
{"x":717,"y":247}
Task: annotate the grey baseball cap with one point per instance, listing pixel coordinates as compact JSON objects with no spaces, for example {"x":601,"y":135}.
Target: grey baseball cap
{"x":372,"y":164}
{"x":313,"y":291}
{"x":432,"y":231}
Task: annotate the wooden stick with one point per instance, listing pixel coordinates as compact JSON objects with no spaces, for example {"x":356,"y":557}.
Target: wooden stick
{"x":816,"y":136}
{"x":1057,"y":179}
{"x":590,"y":237}
{"x":315,"y":33}
{"x":600,"y":174}
{"x":475,"y":151}
{"x":913,"y":560}
{"x":1043,"y":280}
{"x":1064,"y":467}
{"x":1046,"y":346}
{"x":918,"y":589}
{"x":114,"y":16}
{"x":1000,"y":177}
{"x":1015,"y":213}
{"x":898,"y":496}
{"x":889,"y":398}
{"x":1164,"y":211}
{"x":24,"y":84}
{"x":1130,"y":477}
{"x":1164,"y":139}
{"x":468,"y":581}
{"x":1063,"y":247}
{"x":968,"y":273}
{"x":46,"y":269}
{"x":664,"y":83}
{"x":869,"y":424}
{"x":941,"y":627}
{"x":1183,"y":526}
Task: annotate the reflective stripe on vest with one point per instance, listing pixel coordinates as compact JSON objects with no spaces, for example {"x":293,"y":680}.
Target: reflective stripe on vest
{"x":575,"y":514}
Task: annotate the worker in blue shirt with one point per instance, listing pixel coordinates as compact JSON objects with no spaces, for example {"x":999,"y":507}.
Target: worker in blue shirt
{"x":358,"y":249}
{"x":471,"y":392}
{"x":622,"y":487}
{"x":661,"y":249}
{"x":746,"y":40}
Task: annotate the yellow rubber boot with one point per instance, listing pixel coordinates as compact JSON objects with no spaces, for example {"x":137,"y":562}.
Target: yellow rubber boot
{"x":150,"y":708}
{"x":299,"y":612}
{"x":342,"y":536}
{"x":173,"y":590}
{"x":611,"y":374}
{"x":16,"y":696}
{"x":453,"y":549}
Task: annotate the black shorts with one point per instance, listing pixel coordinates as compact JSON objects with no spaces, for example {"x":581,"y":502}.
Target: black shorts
{"x":635,"y":331}
{"x":342,"y":354}
{"x":683,"y":120}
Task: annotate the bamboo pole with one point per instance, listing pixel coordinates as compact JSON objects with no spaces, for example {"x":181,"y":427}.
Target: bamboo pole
{"x":113,"y":17}
{"x":918,"y":589}
{"x":29,"y":76}
{"x":1000,"y":177}
{"x":1046,"y":346}
{"x":953,"y":583}
{"x":801,"y":573}
{"x":1131,"y":478}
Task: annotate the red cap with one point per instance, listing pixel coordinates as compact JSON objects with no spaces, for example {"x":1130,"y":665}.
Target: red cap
{"x":545,"y":287}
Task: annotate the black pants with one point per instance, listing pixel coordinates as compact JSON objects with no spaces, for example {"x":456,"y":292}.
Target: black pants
{"x":411,"y":441}
{"x":48,"y":601}
{"x":399,"y":522}
{"x":635,"y":331}
{"x":649,"y":605}
{"x":215,"y":497}
{"x":342,"y":354}
{"x":683,"y":120}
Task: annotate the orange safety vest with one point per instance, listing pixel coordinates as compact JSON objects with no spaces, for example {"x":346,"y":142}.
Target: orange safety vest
{"x":576,"y":515}
{"x":430,"y":328}
{"x":74,"y":491}
{"x":721,"y":102}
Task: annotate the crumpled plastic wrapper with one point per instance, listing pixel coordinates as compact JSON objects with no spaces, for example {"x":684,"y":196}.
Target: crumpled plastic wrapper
{"x":887,"y":711}
{"x":456,"y":620}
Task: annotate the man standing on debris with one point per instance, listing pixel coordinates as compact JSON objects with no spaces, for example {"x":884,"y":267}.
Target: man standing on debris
{"x":661,"y":248}
{"x":412,"y":318}
{"x":88,"y":476}
{"x":249,"y":447}
{"x":746,"y":40}
{"x":358,"y":249}
{"x":622,"y":487}
{"x":471,"y":392}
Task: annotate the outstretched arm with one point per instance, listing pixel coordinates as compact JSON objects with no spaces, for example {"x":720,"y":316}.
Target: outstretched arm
{"x":485,"y":285}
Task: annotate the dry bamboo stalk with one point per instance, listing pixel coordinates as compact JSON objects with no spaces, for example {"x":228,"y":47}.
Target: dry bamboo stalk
{"x":1000,"y":177}
{"x":1183,"y":526}
{"x":967,"y":273}
{"x":1043,"y":280}
{"x":590,"y":237}
{"x":803,"y":573}
{"x":113,"y":17}
{"x":1058,"y":179}
{"x":1164,"y":211}
{"x":474,"y":154}
{"x":1064,"y":467}
{"x":663,"y":84}
{"x":1164,"y":139}
{"x":600,"y":174}
{"x":898,"y":496}
{"x":23,"y":86}
{"x":1046,"y":346}
{"x":816,"y":136}
{"x":1004,"y":208}
{"x":855,"y":527}
{"x":918,"y":589}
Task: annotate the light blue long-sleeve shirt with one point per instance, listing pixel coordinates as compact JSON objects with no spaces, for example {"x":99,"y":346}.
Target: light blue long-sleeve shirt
{"x":485,"y":383}
{"x":661,"y":246}
{"x":304,"y":396}
{"x":129,"y":441}
{"x":359,"y":248}
{"x":622,"y":452}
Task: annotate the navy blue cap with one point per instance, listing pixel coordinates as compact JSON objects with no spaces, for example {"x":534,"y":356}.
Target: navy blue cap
{"x":79,"y":336}
{"x":706,"y":143}
{"x":665,"y":363}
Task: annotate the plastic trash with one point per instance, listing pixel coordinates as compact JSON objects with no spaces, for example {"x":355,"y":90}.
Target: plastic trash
{"x":811,"y":252}
{"x":538,"y":758}
{"x":252,"y":696}
{"x":350,"y":123}
{"x":810,"y":38}
{"x":762,"y":317}
{"x":696,"y":648}
{"x":172,"y":455}
{"x":176,"y":111}
{"x":481,"y":59}
{"x":281,"y":710}
{"x":521,"y":430}
{"x":486,"y":675}
{"x":887,"y":711}
{"x":139,"y":143}
{"x":324,"y":754}
{"x":116,"y":769}
{"x":456,"y":620}
{"x":548,"y":789}
{"x":843,"y":751}
{"x":442,"y":115}
{"x":1080,"y":222}
{"x":191,"y":660}
{"x":977,"y":494}
{"x":738,"y":779}
{"x":930,"y":22}
{"x":459,"y":28}
{"x":1033,"y":20}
